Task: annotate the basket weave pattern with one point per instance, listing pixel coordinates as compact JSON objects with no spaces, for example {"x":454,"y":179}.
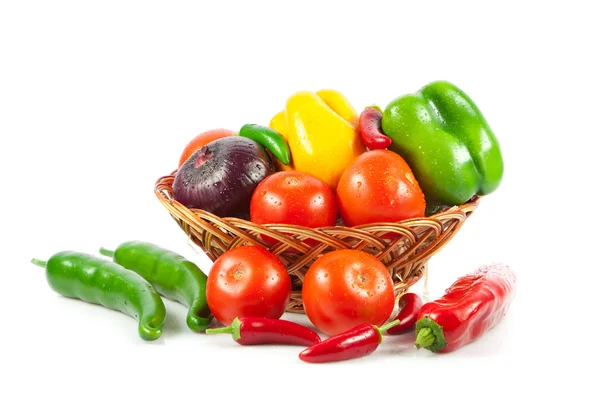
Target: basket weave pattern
{"x":403,"y":247}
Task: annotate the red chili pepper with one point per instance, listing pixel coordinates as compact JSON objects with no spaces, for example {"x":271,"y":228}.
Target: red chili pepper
{"x":356,"y":342}
{"x":369,"y":127}
{"x":470,"y":307}
{"x":410,"y":304}
{"x":258,"y":330}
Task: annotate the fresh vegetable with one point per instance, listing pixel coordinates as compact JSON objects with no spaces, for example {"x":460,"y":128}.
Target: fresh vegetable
{"x":320,"y":129}
{"x":345,"y":288}
{"x":271,"y":139}
{"x":247,"y":281}
{"x":172,"y":276}
{"x":357,"y":342}
{"x":446,"y":140}
{"x":369,"y":126}
{"x":410,"y":304}
{"x":379,"y":187}
{"x":99,"y":281}
{"x":473,"y":305}
{"x":221,"y":177}
{"x":201,"y":140}
{"x":250,"y":331}
{"x":293,"y":197}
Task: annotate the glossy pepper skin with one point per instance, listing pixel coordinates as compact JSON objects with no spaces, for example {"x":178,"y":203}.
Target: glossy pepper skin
{"x":446,"y":140}
{"x":410,"y":304}
{"x":172,"y":276}
{"x":321,"y":131}
{"x":359,"y":341}
{"x":99,"y":281}
{"x":270,"y":139}
{"x":369,"y":127}
{"x":259,"y":330}
{"x":474,"y":304}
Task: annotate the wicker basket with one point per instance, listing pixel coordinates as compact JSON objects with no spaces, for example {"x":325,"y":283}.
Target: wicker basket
{"x":404,"y":247}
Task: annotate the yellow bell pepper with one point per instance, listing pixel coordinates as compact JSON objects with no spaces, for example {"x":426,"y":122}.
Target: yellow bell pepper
{"x":320,"y":129}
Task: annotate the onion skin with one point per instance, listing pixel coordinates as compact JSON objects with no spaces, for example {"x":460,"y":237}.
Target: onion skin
{"x":220,"y":177}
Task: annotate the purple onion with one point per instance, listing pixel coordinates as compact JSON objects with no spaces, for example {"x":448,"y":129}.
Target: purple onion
{"x":221,"y":176}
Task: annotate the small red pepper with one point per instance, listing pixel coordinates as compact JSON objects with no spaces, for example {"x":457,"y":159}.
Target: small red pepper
{"x":369,"y":127}
{"x":410,"y":304}
{"x":259,"y":330}
{"x":470,"y":307}
{"x":356,"y":342}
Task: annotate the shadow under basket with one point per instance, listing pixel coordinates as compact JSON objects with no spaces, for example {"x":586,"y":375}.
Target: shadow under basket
{"x":403,"y":247}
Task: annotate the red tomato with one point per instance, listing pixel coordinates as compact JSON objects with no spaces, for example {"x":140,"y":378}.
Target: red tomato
{"x":247,"y":281}
{"x":201,"y":140}
{"x":293,"y":197}
{"x":379,"y":186}
{"x":345,"y":288}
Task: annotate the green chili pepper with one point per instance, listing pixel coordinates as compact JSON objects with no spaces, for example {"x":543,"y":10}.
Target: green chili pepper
{"x":172,"y":276}
{"x":98,"y":281}
{"x":269,"y":138}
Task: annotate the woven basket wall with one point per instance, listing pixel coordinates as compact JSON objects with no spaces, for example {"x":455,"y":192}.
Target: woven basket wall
{"x":404,"y":247}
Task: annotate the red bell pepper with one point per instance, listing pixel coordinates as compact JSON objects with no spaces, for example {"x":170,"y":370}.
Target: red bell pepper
{"x":474,"y":304}
{"x":258,"y":330}
{"x":356,"y":342}
{"x":410,"y":304}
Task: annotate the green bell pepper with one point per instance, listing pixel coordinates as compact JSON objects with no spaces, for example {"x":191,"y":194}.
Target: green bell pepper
{"x":447,"y":142}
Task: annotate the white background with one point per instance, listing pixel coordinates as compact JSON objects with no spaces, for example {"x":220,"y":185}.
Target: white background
{"x":98,"y":99}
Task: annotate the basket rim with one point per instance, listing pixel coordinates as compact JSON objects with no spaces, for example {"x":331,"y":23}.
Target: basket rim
{"x":465,"y":208}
